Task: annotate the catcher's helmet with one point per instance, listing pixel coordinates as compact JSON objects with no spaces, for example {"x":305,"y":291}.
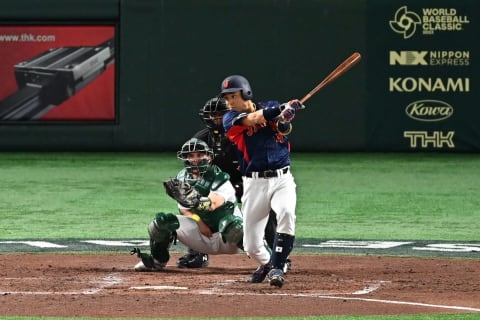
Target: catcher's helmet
{"x":195,"y":166}
{"x":212,"y":113}
{"x":237,"y":83}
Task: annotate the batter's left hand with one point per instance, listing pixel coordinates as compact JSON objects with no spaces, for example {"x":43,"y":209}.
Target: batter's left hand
{"x":287,"y":114}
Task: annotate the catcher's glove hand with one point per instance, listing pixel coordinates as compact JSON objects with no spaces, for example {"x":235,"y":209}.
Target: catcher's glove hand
{"x":182,"y":192}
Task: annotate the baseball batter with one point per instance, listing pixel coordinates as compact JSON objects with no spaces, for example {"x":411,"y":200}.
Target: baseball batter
{"x":210,"y":222}
{"x":259,"y":132}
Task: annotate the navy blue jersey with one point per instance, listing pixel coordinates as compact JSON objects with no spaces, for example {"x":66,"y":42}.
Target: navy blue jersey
{"x":260,"y":147}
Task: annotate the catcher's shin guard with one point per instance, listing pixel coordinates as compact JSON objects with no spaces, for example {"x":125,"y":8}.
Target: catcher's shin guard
{"x":162,"y":233}
{"x":162,"y":227}
{"x":231,"y":229}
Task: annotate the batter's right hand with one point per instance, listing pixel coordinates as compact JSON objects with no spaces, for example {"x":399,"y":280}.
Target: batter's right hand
{"x":296,"y":104}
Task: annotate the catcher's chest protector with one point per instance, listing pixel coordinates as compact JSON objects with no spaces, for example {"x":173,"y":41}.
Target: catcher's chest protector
{"x":211,"y":180}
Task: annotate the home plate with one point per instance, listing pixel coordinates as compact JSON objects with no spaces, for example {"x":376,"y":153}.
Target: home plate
{"x":159,"y":288}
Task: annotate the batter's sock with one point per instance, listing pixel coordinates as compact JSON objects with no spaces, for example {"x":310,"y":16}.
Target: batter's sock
{"x":282,"y":247}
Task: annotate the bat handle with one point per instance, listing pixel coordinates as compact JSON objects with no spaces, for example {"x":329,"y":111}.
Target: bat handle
{"x":305,"y":98}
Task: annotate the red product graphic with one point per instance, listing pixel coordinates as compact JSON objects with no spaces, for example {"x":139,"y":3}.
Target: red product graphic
{"x":57,"y":73}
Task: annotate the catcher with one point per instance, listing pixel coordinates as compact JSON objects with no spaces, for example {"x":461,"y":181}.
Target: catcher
{"x":209,"y":222}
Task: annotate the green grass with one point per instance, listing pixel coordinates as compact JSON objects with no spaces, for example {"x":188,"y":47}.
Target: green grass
{"x":388,"y":196}
{"x":345,"y":195}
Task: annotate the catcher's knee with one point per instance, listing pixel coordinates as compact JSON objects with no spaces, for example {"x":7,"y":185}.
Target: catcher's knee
{"x":231,"y":229}
{"x":162,"y":227}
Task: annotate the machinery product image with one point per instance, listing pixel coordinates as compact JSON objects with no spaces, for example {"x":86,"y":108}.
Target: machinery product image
{"x":52,"y":77}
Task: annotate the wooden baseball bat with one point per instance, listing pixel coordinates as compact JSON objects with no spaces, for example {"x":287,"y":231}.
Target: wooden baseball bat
{"x":337,"y":72}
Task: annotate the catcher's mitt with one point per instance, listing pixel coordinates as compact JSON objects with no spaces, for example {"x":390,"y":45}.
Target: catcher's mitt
{"x":182,"y":192}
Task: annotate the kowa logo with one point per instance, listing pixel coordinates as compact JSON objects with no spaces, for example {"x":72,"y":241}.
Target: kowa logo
{"x":411,"y":84}
{"x":429,"y":110}
{"x":429,"y":58}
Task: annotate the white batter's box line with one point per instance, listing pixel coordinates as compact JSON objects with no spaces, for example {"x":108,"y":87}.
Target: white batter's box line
{"x":372,"y":286}
{"x":358,"y":244}
{"x":340,"y":297}
{"x":106,"y":282}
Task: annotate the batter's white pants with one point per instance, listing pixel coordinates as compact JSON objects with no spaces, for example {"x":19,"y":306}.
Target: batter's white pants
{"x":259,"y":196}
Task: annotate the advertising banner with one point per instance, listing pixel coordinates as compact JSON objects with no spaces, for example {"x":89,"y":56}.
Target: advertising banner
{"x":57,"y":73}
{"x":423,"y":76}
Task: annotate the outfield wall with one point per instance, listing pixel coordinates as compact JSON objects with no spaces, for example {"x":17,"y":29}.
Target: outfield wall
{"x":415,"y":88}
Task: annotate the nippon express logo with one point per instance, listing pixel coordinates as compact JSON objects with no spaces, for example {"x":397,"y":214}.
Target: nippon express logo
{"x":429,"y":110}
{"x":428,"y":20}
{"x":454,"y":58}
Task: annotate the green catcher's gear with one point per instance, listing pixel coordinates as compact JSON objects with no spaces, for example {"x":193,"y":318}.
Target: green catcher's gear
{"x":195,"y":145}
{"x":182,"y":192}
{"x":231,"y":228}
{"x":211,"y":180}
{"x":162,"y":233}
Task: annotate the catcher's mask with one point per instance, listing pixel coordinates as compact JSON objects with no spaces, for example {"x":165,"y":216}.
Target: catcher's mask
{"x":212,"y":114}
{"x":196,"y":156}
{"x":237,"y":83}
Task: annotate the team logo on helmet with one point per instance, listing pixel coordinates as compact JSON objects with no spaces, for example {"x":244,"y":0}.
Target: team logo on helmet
{"x":226,"y":83}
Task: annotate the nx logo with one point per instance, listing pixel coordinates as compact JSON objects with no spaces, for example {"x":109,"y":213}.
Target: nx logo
{"x":408,"y":58}
{"x":423,"y":139}
{"x":429,"y":110}
{"x":405,"y":22}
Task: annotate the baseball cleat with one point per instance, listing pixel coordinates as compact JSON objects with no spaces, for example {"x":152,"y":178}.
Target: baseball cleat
{"x":276,"y":278}
{"x":193,"y":260}
{"x":260,"y":274}
{"x":148,"y":263}
{"x":156,"y":266}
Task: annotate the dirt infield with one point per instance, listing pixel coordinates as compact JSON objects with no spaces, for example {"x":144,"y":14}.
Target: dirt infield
{"x":73,"y":285}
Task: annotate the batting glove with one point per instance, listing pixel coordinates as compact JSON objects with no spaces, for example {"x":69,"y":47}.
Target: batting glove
{"x":287,"y":114}
{"x":295,"y":104}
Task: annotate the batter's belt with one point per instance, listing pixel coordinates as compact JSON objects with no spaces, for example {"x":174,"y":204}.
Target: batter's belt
{"x":267,"y":173}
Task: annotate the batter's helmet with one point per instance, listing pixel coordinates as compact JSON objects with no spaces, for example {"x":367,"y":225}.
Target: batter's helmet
{"x":195,"y":145}
{"x":215,"y":107}
{"x":237,"y":83}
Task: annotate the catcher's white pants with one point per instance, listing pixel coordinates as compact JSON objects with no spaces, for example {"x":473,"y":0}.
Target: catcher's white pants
{"x":189,"y":234}
{"x":259,"y":195}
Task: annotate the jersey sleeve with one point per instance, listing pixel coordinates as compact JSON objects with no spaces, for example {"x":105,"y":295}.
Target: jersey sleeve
{"x":226,"y":191}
